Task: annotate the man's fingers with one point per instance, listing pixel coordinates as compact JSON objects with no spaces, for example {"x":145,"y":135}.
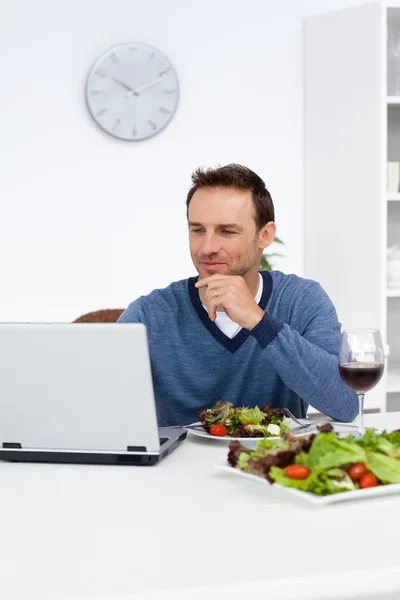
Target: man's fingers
{"x":212,"y":305}
{"x":211,"y":278}
{"x":214,"y":292}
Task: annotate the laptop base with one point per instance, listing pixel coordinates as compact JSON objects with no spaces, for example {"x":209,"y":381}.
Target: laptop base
{"x":91,"y":458}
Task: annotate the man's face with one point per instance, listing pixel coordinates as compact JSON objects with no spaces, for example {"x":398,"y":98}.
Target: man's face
{"x":222,"y":232}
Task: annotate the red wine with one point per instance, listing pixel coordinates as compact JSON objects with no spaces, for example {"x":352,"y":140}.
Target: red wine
{"x":361,"y":376}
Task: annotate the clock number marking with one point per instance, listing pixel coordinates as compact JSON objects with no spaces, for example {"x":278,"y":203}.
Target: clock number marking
{"x":169,"y":91}
{"x":134,"y":132}
{"x":164,"y":71}
{"x":133,"y":48}
{"x":117,"y":122}
{"x":101,"y":112}
{"x":164,"y":110}
{"x":152,"y":124}
{"x":101,"y":72}
{"x":96,"y":92}
{"x":152,"y":55}
{"x":114,"y":58}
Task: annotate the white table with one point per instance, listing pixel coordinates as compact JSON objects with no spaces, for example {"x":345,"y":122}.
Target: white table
{"x":72,"y":532}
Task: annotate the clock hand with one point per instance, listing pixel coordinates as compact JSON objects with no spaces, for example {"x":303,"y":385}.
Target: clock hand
{"x":129,"y":89}
{"x":146,"y":86}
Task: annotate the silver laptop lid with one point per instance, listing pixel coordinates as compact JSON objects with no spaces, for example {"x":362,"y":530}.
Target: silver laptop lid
{"x":82,"y":386}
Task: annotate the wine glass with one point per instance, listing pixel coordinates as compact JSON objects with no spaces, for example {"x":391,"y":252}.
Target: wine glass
{"x":361,"y":364}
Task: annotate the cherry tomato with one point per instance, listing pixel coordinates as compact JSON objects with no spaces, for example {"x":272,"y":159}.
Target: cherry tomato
{"x":297,"y":471}
{"x":356,"y":471}
{"x":368,"y":480}
{"x":219,"y":430}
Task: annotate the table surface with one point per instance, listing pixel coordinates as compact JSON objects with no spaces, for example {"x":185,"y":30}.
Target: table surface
{"x":70,"y":532}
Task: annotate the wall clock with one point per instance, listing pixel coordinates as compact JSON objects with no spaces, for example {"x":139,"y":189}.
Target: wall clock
{"x":132,"y":91}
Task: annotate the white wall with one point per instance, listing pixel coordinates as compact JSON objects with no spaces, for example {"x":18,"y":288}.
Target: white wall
{"x":88,"y":222}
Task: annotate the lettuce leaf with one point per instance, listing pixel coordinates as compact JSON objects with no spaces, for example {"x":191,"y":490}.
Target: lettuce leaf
{"x":258,"y":428}
{"x":320,"y":481}
{"x":283,"y":426}
{"x":266,"y":444}
{"x":393,"y":437}
{"x":328,"y":451}
{"x":301,"y":459}
{"x":381,"y":443}
{"x":243,"y":460}
{"x":368,"y":440}
{"x":253,"y":416}
{"x":386,"y":447}
{"x":261,"y":465}
{"x":385,"y":468}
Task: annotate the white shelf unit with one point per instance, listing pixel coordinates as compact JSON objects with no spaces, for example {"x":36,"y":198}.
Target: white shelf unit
{"x":393,"y":379}
{"x":351,"y":131}
{"x":393,"y":292}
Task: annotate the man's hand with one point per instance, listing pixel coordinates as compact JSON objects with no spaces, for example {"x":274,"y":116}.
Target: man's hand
{"x":232,"y":293}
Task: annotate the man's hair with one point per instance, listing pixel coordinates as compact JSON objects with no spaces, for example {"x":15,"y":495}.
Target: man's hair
{"x":240,"y":178}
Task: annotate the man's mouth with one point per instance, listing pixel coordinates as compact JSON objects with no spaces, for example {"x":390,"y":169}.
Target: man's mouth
{"x":212,"y":266}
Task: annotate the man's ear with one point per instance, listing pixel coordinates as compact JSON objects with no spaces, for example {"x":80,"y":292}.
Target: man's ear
{"x":267,"y":234}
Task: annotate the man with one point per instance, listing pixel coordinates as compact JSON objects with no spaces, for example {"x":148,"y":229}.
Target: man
{"x":233,"y":333}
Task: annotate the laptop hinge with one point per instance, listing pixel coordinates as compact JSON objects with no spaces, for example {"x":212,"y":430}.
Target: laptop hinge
{"x":11,"y":445}
{"x":136,"y":449}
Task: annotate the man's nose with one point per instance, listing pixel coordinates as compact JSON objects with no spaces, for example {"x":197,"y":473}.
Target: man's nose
{"x":210,"y":245}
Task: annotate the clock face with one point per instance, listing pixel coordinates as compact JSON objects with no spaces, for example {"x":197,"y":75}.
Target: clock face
{"x":132,"y":91}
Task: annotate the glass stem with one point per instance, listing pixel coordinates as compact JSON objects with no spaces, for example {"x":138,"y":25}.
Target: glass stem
{"x":361,"y":413}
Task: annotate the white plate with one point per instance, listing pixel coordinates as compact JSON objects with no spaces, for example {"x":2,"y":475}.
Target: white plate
{"x":380,"y":490}
{"x":338,"y":427}
{"x":227,"y":438}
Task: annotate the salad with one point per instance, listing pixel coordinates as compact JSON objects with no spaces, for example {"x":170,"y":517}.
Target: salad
{"x":225,"y":420}
{"x":323,"y":463}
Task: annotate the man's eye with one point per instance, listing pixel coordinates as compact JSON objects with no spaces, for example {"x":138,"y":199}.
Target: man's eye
{"x":196,"y":230}
{"x":227,"y":231}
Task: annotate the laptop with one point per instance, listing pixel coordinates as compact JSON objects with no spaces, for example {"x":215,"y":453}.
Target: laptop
{"x":79,"y":393}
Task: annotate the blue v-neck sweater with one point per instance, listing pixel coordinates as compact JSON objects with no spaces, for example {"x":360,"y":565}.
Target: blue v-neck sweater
{"x":289,"y":359}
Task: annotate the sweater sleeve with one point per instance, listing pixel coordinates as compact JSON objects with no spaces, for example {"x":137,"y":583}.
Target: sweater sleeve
{"x":307,"y":359}
{"x":133,"y":314}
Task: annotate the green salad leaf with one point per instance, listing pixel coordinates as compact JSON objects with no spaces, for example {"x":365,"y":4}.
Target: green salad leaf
{"x":328,"y":451}
{"x":385,"y":468}
{"x":393,"y":437}
{"x":301,"y":459}
{"x":243,"y":460}
{"x":264,"y":448}
{"x":282,"y":425}
{"x":368,"y":440}
{"x":252,"y":416}
{"x":386,"y":443}
{"x":266,"y":444}
{"x":320,"y":481}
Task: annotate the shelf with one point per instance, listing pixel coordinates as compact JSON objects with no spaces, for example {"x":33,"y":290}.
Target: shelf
{"x":393,"y":100}
{"x":393,"y":197}
{"x":393,"y":379}
{"x":393,"y":292}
